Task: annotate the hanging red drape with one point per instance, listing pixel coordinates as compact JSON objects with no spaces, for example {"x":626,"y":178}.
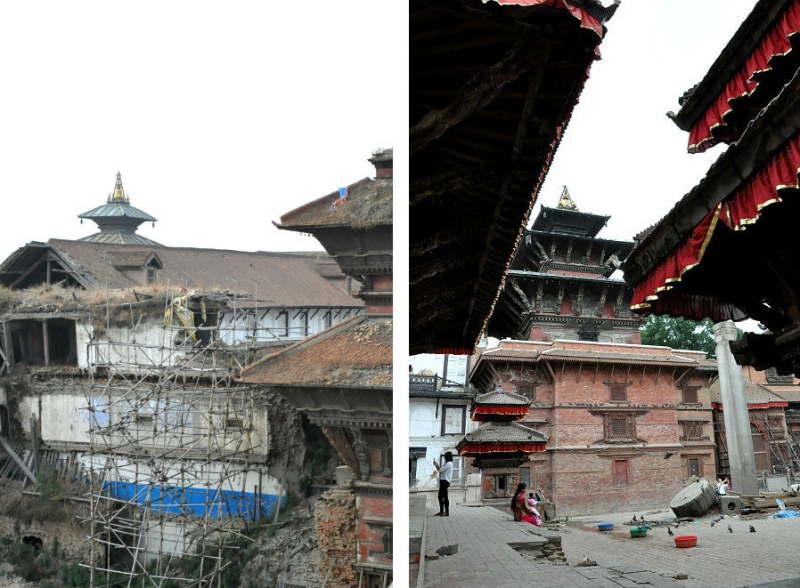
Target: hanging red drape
{"x":494,"y":409}
{"x":709,"y":130}
{"x":484,"y":448}
{"x":737,"y":212}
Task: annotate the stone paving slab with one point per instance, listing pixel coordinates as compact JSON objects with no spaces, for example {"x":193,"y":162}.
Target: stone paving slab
{"x":765,"y":559}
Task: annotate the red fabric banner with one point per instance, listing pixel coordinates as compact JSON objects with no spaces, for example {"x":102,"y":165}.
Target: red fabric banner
{"x":709,"y":130}
{"x":474,"y":449}
{"x":491,"y":409}
{"x":737,"y":212}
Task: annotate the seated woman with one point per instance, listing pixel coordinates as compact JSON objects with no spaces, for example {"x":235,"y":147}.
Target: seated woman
{"x":520,"y":507}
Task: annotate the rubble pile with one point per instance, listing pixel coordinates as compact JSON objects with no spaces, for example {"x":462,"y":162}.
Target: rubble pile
{"x":290,"y":555}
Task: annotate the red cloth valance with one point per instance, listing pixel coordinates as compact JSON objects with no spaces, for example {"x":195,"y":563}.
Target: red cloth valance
{"x":744,"y":208}
{"x":497,"y":409}
{"x":706,"y":132}
{"x":474,"y":449}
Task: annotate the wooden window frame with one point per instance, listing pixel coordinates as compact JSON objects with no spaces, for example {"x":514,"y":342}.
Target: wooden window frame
{"x":618,"y":391}
{"x":692,"y":430}
{"x":463,"y":409}
{"x":527,"y":389}
{"x":609,"y":427}
{"x":690,"y":394}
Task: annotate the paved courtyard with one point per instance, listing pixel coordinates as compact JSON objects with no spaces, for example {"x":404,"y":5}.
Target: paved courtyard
{"x":486,"y":558}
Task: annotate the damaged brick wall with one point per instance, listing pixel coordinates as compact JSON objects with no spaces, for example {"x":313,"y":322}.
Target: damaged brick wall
{"x":335,"y":516}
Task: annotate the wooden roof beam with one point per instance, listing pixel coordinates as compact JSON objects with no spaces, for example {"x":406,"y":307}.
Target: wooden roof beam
{"x":481,"y":90}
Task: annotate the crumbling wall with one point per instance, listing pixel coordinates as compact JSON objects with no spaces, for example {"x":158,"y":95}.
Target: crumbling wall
{"x":335,"y":515}
{"x":289,"y":554}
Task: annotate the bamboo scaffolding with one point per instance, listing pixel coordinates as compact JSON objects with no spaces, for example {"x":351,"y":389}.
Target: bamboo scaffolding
{"x":160,"y":423}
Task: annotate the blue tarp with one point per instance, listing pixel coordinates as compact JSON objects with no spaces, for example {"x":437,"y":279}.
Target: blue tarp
{"x":194,"y":501}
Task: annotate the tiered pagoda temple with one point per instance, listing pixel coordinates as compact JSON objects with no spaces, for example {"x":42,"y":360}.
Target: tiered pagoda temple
{"x":560,"y":284}
{"x":118,"y":220}
{"x":500,"y":445}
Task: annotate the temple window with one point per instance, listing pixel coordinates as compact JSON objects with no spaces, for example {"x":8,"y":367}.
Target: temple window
{"x":689,"y":395}
{"x":618,"y":391}
{"x":620,"y":427}
{"x":527,"y":389}
{"x":453,"y":419}
{"x":692,"y":429}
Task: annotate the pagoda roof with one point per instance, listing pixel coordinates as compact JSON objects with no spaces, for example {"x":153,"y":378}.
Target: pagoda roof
{"x":500,"y":433}
{"x":758,"y":60}
{"x":502,"y":398}
{"x":111,"y":210}
{"x":479,"y":149}
{"x":569,"y":222}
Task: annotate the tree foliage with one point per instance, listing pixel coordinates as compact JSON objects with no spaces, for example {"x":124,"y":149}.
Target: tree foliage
{"x":680,"y":333}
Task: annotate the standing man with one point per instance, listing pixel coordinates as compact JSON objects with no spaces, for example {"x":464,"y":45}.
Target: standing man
{"x":445,"y":477}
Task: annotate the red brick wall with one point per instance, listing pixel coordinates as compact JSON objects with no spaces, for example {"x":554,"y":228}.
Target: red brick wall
{"x":335,"y":517}
{"x":374,"y":520}
{"x":576,"y":471}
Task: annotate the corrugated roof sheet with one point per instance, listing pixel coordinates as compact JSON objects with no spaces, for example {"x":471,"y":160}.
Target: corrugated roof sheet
{"x":355,"y":353}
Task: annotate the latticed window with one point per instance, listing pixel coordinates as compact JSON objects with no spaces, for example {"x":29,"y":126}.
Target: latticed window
{"x":689,"y":394}
{"x":620,"y":427}
{"x":692,"y":429}
{"x":618,"y":392}
{"x":527,"y":389}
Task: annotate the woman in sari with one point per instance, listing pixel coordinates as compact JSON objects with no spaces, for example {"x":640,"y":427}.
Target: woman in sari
{"x":520,"y":507}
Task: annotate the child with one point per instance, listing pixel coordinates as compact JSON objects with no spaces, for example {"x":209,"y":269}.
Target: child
{"x":537,"y":519}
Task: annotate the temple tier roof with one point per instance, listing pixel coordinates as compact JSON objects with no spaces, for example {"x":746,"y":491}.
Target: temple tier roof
{"x":118,"y":220}
{"x":479,"y":149}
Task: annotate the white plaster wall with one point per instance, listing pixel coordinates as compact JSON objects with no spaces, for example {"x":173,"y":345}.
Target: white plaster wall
{"x":425,"y":431}
{"x":67,"y":418}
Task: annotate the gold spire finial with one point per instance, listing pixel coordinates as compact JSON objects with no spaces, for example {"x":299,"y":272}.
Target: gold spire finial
{"x":566,"y":200}
{"x":119,"y":193}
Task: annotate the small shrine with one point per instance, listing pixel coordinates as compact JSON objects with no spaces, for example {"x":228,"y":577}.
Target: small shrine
{"x":118,"y":220}
{"x":501,"y":444}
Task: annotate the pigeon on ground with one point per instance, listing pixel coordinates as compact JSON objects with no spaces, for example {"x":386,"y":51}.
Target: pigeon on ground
{"x":634,"y":518}
{"x":752,"y":529}
{"x":730,"y":529}
{"x":713,"y":522}
{"x":670,"y":532}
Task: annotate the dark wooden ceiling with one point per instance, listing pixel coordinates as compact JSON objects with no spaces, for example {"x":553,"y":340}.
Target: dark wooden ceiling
{"x":491,"y":88}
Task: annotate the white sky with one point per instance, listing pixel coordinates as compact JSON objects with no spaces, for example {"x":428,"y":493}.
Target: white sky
{"x":221,"y":117}
{"x":621,"y":155}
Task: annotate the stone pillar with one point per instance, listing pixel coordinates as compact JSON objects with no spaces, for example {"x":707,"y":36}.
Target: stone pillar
{"x":734,"y":408}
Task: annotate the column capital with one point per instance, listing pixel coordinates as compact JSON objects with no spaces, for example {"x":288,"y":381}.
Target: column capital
{"x":724,"y":331}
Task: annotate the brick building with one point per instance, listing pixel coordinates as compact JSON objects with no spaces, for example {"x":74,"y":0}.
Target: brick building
{"x":341,"y":379}
{"x":768,"y":398}
{"x":627,"y":421}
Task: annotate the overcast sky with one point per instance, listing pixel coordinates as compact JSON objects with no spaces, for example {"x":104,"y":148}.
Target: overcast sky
{"x":621,"y":155}
{"x":221,"y":117}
